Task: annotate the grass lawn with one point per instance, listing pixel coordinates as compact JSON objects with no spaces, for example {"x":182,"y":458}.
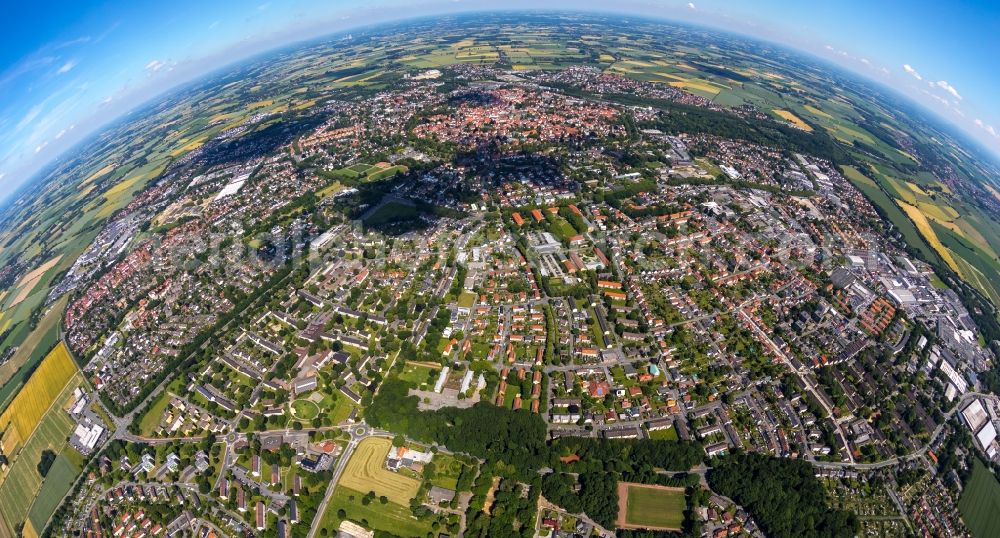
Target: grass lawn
{"x":446,"y":471}
{"x":304,"y":409}
{"x":466,"y":299}
{"x":330,"y":189}
{"x":339,"y":409}
{"x":376,"y":174}
{"x":393,"y":518}
{"x":561,"y":228}
{"x":668,"y":434}
{"x":150,"y":420}
{"x":595,"y":329}
{"x":417,"y":374}
{"x":980,"y":503}
{"x":508,"y":397}
{"x":937,"y":282}
{"x":654,"y":507}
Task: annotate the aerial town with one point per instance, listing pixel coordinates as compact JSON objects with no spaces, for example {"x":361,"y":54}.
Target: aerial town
{"x":290,"y":333}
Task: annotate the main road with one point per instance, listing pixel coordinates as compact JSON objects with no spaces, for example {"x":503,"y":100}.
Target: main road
{"x":358,"y":432}
{"x":916,"y":454}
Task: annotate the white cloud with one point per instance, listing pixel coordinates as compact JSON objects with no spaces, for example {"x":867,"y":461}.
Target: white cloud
{"x":63,"y":132}
{"x":41,"y":146}
{"x":948,"y":88}
{"x":913,"y":72}
{"x":155,"y":66}
{"x":66,"y":67}
{"x":213,"y":25}
{"x":836,"y":51}
{"x":29,"y":117}
{"x":691,"y":5}
{"x":865,"y":61}
{"x":988,"y":128}
{"x":940,"y":99}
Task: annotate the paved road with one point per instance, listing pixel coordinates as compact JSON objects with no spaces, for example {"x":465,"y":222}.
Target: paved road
{"x":766,"y":338}
{"x":121,"y":423}
{"x":966,"y":398}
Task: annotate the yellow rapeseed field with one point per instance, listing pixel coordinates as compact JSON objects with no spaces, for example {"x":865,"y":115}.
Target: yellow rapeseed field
{"x":37,"y":395}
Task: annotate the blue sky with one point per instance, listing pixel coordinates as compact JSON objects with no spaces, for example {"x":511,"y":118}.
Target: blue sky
{"x":69,"y":67}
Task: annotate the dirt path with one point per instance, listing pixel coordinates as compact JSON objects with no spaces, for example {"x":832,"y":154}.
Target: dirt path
{"x":488,"y":503}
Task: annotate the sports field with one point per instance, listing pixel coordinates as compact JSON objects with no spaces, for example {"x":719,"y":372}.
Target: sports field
{"x":980,"y":503}
{"x":643,"y":506}
{"x":366,"y":472}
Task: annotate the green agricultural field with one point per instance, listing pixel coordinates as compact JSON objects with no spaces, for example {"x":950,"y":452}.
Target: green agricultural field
{"x":896,"y":215}
{"x":980,"y":503}
{"x":57,"y":482}
{"x":393,"y":518}
{"x":45,"y":387}
{"x":650,"y":507}
{"x":984,"y":270}
{"x":31,"y":351}
{"x":22,"y":483}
